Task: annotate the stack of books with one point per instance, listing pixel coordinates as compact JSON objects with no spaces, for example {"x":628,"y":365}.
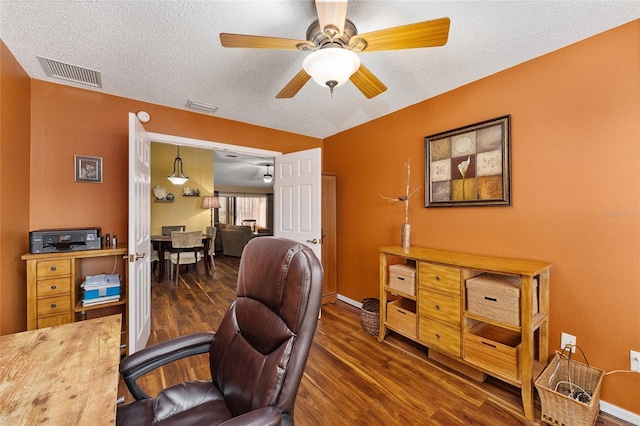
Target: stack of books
{"x":103,"y":288}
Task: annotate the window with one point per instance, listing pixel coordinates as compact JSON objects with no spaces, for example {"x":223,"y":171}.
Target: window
{"x":235,"y":209}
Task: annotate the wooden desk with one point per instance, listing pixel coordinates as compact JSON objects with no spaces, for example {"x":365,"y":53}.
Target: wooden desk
{"x":67,"y":374}
{"x":164,"y":242}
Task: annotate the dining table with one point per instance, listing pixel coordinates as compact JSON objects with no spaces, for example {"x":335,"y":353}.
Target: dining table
{"x":163,"y":242}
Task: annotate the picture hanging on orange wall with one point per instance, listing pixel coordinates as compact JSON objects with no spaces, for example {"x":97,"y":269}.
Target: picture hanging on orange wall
{"x":469,"y":166}
{"x":88,"y":169}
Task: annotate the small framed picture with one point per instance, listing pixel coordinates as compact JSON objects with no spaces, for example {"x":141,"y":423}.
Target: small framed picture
{"x":88,"y":169}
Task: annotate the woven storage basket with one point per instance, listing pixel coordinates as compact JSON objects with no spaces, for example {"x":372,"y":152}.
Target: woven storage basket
{"x":560,"y":409}
{"x":370,"y":316}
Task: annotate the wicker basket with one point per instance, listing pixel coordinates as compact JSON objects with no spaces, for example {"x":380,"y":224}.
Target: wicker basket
{"x":560,"y":409}
{"x":370,"y":316}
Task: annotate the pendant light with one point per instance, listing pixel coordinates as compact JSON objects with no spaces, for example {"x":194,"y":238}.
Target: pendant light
{"x":178,"y":177}
{"x":267,"y":178}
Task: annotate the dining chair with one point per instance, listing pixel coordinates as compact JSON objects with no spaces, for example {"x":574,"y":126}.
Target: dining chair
{"x":153,"y":256}
{"x":166,"y":230}
{"x":211,"y":232}
{"x":185,"y":250}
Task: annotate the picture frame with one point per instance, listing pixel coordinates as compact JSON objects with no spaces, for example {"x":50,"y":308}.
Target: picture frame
{"x":88,"y":169}
{"x":470,"y":165}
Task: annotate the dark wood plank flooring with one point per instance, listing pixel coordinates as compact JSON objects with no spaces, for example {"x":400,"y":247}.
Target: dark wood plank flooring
{"x":350,"y":378}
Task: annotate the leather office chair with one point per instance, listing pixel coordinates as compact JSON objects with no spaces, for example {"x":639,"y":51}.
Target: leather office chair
{"x":186,"y":248}
{"x":256,"y":357}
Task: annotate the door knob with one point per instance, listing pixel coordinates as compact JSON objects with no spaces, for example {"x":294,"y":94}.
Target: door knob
{"x":314,"y":241}
{"x":134,"y":257}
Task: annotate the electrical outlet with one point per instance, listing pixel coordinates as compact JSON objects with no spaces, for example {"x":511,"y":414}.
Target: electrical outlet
{"x":634,"y":361}
{"x":568,"y":339}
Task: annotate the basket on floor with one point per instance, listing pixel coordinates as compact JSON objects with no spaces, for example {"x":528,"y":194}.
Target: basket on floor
{"x":555,"y":383}
{"x":370,"y":316}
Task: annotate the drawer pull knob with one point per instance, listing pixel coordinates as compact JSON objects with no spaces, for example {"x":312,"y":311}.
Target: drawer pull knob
{"x":437,"y":336}
{"x":53,"y":306}
{"x":437,"y":307}
{"x":489,"y":344}
{"x":400,"y":278}
{"x":401,"y":312}
{"x":437,"y":278}
{"x":490,"y":299}
{"x":53,"y":268}
{"x":53,"y":287}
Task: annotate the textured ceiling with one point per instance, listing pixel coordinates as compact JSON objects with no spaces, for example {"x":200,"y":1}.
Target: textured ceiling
{"x":167,"y":52}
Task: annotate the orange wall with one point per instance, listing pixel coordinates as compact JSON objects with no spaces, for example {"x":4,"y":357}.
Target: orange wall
{"x":14,"y":191}
{"x":42,"y":126}
{"x":575,"y":160}
{"x":68,"y":121}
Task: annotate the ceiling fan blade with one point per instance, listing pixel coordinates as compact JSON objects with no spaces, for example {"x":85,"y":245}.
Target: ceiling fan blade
{"x":331,"y":14}
{"x":261,"y":42}
{"x":294,"y":86}
{"x":421,"y":34}
{"x":367,"y":83}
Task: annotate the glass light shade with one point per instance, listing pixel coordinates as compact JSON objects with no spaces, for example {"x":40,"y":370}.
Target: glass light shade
{"x":178,"y":177}
{"x":331,"y":64}
{"x":176,"y":180}
{"x":267,"y":178}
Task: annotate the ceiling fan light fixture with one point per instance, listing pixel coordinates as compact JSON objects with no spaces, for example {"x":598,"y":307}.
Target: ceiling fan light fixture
{"x":178,"y":177}
{"x":331,"y":66}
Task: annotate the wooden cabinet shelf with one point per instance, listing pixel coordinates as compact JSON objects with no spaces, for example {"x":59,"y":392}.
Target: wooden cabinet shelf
{"x":438,"y":315}
{"x":80,"y":308}
{"x":537,"y":321}
{"x":54,"y":295}
{"x":396,"y":292}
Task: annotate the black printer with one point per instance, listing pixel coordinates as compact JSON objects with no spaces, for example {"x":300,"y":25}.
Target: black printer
{"x":61,"y":240}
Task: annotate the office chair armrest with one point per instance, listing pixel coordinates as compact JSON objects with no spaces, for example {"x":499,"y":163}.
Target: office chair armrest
{"x":265,"y":416}
{"x":140,"y":363}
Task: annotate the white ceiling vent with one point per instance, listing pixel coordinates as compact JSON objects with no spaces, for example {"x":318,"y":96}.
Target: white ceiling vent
{"x":70,"y":72}
{"x":201,"y":107}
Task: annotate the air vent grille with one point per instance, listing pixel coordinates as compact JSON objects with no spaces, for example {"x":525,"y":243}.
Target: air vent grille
{"x":201,"y":107}
{"x":70,"y":72}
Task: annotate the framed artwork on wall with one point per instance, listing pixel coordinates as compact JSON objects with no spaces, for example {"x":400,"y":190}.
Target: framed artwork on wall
{"x":469,"y":166}
{"x":88,"y":169}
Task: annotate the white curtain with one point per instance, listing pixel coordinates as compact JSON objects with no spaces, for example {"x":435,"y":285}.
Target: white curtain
{"x":252,"y":207}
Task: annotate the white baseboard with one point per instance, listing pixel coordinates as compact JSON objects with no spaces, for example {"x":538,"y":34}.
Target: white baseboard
{"x":351,"y":302}
{"x":611,"y":409}
{"x":620,"y":413}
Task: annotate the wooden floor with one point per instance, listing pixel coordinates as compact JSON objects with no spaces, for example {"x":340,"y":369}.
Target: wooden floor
{"x":350,"y":378}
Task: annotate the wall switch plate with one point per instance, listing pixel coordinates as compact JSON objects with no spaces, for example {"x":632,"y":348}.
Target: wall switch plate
{"x":568,"y":339}
{"x":634,"y":361}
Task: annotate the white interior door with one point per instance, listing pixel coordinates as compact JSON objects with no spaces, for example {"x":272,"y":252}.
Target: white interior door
{"x":139,"y":292}
{"x":297,"y":192}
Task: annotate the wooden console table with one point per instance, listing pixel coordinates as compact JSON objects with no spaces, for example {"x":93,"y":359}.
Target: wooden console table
{"x":434,"y":313}
{"x":67,"y":374}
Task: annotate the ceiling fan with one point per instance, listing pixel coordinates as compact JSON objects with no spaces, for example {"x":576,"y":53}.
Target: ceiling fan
{"x":333,"y":41}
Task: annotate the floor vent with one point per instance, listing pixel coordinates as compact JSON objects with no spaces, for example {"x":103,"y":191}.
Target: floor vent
{"x":70,"y":72}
